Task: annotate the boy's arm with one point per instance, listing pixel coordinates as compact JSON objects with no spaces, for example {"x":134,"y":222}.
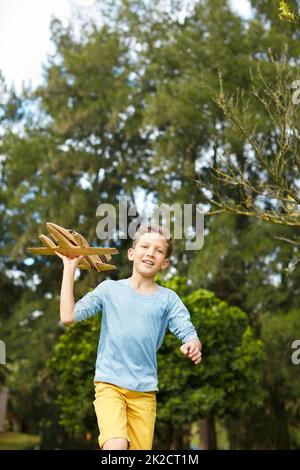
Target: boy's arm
{"x":67,"y":288}
{"x":180,"y":325}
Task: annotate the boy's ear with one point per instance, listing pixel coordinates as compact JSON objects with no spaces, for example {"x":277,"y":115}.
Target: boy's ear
{"x":165,"y":264}
{"x":130,"y":253}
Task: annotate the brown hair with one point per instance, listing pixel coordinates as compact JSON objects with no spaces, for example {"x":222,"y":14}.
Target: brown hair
{"x":163,"y":231}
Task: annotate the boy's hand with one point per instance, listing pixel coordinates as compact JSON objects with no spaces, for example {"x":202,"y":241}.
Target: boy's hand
{"x":192,"y":350}
{"x":70,"y":263}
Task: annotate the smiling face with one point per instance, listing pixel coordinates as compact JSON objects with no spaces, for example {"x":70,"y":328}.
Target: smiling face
{"x":149,"y":254}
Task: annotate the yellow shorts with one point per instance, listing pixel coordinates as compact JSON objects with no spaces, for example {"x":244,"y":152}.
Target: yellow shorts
{"x":125,"y":413}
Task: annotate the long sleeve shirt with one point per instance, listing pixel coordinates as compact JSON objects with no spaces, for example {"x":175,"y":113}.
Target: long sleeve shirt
{"x":132,"y":330}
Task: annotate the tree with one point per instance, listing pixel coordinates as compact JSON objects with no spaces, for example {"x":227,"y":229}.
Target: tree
{"x":261,"y":180}
{"x":274,"y":195}
{"x":275,"y":424}
{"x":63,"y":148}
{"x":72,"y":370}
{"x":227,"y":383}
{"x":243,"y":264}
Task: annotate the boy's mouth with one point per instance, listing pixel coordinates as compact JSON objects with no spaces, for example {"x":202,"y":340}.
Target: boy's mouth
{"x":148,"y":262}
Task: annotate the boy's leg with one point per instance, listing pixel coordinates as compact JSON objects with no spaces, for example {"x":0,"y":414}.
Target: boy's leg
{"x":118,"y":443}
{"x":110,"y":408}
{"x":141,"y":416}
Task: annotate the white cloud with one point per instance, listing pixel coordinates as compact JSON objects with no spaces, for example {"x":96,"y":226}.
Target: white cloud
{"x":243,"y":7}
{"x":25,"y":34}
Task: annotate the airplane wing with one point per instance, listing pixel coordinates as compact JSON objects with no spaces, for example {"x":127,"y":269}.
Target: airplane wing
{"x":76,"y":250}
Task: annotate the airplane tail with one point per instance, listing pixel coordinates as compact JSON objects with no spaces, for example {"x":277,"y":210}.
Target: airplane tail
{"x":47,"y":241}
{"x":104,"y":267}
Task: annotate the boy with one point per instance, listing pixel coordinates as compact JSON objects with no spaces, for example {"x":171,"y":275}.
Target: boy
{"x":136,"y":313}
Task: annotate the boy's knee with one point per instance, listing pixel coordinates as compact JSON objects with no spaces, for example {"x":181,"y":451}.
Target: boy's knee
{"x":117,"y":443}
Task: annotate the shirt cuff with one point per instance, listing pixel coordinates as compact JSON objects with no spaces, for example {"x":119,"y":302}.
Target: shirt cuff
{"x":189,"y":338}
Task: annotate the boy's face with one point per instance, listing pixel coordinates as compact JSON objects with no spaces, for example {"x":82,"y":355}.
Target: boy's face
{"x":149,"y":254}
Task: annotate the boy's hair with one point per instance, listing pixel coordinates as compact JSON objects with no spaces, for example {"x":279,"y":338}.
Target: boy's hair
{"x":163,"y":231}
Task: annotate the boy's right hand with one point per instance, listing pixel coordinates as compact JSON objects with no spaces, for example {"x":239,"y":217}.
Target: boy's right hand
{"x":70,"y":263}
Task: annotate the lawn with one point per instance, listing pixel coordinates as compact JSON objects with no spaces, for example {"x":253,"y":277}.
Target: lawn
{"x":18,"y":441}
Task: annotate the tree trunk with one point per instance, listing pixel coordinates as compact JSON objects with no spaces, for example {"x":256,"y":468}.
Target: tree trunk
{"x":3,"y":407}
{"x":208,"y":437}
{"x":181,"y":437}
{"x":282,"y":438}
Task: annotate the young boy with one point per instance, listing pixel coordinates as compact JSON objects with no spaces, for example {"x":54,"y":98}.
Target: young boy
{"x":136,"y":314}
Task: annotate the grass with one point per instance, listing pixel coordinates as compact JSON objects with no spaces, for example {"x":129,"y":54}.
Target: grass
{"x":18,"y":441}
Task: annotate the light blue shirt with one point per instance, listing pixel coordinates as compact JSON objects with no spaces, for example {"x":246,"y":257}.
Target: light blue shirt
{"x":132,"y":330}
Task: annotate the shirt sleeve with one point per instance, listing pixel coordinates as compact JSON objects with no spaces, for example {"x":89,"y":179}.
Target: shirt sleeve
{"x":179,"y":322}
{"x":90,"y":304}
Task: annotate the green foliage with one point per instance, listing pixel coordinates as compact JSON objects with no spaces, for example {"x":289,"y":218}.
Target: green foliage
{"x":274,"y":424}
{"x":285,"y":13}
{"x":72,"y":367}
{"x":228,"y":380}
{"x":278,"y":333}
{"x":241,"y":262}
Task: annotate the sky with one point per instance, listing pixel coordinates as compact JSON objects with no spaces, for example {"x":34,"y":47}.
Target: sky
{"x":25,"y":34}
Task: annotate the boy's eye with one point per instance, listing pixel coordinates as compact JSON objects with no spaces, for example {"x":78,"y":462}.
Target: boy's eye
{"x":157,"y":249}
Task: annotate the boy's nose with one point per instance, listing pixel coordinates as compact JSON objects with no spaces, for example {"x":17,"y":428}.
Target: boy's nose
{"x":150,"y":253}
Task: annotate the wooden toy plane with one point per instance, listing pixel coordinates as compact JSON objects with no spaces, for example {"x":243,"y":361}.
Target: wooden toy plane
{"x":72,"y":244}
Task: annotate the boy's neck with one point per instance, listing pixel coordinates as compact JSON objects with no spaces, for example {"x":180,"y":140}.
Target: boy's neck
{"x":141,"y":283}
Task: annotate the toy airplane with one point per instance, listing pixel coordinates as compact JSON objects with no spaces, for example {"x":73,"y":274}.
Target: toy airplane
{"x":72,"y":244}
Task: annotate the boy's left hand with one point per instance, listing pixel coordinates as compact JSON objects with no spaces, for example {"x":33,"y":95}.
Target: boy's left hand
{"x":192,"y":350}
